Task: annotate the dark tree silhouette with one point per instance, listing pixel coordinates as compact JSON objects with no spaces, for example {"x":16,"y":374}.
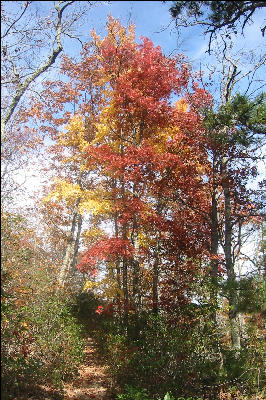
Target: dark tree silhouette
{"x":215,"y":15}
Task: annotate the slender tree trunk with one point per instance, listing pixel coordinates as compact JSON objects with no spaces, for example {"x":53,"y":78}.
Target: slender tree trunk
{"x":125,"y":271}
{"x":214,"y":276}
{"x":214,"y":252}
{"x":136,"y":293}
{"x":125,"y":292}
{"x":77,"y":241}
{"x":118,"y":275}
{"x":118,"y":263}
{"x":232,"y":295}
{"x":70,"y":249}
{"x":124,"y":236}
{"x":155,"y":277}
{"x":136,"y":275}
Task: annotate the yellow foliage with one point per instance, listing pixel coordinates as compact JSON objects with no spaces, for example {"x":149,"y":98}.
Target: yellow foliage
{"x":64,"y":191}
{"x":106,"y":129}
{"x":102,"y":131}
{"x":145,"y":241}
{"x":93,"y":233}
{"x":94,"y":201}
{"x":89,"y":285}
{"x":95,"y":206}
{"x":181,"y":105}
{"x":161,"y":138}
{"x":110,"y":288}
{"x":74,"y":134}
{"x":90,"y":201}
{"x":116,"y":33}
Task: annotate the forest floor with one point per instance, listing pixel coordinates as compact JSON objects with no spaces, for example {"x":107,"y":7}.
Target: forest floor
{"x":93,"y":382}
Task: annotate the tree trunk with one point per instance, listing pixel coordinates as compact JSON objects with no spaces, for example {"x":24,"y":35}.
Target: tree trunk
{"x":232,"y":289}
{"x":125,"y":292}
{"x":77,"y":240}
{"x":214,"y":252}
{"x":70,"y":249}
{"x":136,"y":276}
{"x":118,"y":262}
{"x":214,"y":276}
{"x":155,"y":279}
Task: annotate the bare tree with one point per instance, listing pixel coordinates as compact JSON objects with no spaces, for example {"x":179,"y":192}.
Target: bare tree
{"x":31,"y":41}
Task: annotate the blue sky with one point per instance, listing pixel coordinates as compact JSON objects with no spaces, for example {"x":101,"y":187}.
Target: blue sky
{"x":153,"y":19}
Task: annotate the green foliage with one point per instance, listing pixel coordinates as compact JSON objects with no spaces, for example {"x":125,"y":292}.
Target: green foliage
{"x":83,"y":307}
{"x":252,"y":294}
{"x":187,"y":398}
{"x":168,"y":397}
{"x":182,"y":360}
{"x":243,"y":119}
{"x":185,"y":361}
{"x":133,"y":393}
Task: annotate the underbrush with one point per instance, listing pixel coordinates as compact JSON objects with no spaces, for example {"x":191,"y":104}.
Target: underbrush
{"x":183,"y":362}
{"x":42,"y":344}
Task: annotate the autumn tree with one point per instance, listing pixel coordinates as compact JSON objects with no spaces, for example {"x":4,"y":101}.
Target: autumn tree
{"x":144,"y":152}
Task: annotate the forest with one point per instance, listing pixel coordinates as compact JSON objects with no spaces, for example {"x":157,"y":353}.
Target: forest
{"x":136,"y":268}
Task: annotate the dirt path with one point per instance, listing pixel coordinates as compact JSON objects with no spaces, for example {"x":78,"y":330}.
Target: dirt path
{"x":93,"y":381}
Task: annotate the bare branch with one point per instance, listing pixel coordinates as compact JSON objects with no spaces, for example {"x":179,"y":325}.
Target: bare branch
{"x":50,"y":61}
{"x":16,"y":20}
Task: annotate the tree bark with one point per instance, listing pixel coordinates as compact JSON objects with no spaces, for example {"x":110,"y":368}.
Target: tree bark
{"x":70,"y":249}
{"x":214,"y":252}
{"x":125,"y":292}
{"x":155,"y":280}
{"x":136,"y":274}
{"x":232,"y":290}
{"x":155,"y":277}
{"x":77,"y":241}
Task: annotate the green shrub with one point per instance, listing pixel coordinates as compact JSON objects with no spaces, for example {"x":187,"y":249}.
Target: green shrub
{"x":41,"y":343}
{"x":133,"y":393}
{"x":59,"y":342}
{"x":162,"y":358}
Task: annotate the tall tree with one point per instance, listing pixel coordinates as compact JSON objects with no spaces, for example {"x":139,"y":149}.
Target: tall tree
{"x":70,"y":134}
{"x":236,"y":139}
{"x":144,"y":146}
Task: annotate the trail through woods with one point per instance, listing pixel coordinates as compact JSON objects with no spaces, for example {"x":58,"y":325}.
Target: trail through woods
{"x":93,"y":381}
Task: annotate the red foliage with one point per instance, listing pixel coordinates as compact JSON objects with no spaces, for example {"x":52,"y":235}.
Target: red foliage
{"x":99,"y":310}
{"x":106,"y":250}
